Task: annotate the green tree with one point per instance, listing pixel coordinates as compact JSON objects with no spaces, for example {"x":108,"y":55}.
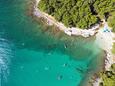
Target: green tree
{"x":80,"y":13}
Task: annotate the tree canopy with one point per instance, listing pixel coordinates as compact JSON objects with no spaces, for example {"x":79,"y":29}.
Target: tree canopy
{"x":79,"y":13}
{"x":108,"y":77}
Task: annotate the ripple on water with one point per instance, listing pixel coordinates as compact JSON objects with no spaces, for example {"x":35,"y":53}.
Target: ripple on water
{"x":5,"y":53}
{"x":42,"y":54}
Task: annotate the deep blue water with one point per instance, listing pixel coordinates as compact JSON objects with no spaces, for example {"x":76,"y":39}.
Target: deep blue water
{"x":34,"y":55}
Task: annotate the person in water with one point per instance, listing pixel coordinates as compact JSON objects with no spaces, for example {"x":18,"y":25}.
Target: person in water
{"x":59,"y":77}
{"x":65,"y":65}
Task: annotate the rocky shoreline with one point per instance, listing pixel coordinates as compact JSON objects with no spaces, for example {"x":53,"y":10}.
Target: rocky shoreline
{"x":103,"y":39}
{"x":69,"y":31}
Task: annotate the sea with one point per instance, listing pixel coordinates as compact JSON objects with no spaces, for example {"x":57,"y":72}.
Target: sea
{"x":34,"y":54}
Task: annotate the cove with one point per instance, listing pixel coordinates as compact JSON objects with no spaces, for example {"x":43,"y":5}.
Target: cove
{"x":40,"y":55}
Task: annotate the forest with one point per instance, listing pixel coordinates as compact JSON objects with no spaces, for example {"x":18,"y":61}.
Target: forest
{"x":80,"y":13}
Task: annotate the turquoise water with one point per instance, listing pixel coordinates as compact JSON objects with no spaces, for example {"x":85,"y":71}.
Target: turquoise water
{"x":34,"y":55}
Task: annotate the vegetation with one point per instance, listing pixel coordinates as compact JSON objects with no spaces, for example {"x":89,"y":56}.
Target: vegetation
{"x":104,"y":7}
{"x":111,"y":22}
{"x":79,"y":13}
{"x":108,"y":77}
{"x":113,"y":48}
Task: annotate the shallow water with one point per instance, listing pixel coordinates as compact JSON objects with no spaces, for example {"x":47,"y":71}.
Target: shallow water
{"x":38,"y":56}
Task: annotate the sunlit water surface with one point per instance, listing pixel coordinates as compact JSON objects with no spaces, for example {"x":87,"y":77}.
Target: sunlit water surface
{"x":33,"y":55}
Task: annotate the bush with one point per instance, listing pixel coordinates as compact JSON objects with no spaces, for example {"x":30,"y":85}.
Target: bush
{"x":113,"y":49}
{"x":108,"y":77}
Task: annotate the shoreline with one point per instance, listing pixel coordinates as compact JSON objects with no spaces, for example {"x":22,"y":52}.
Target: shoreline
{"x":104,"y":40}
{"x":69,"y":31}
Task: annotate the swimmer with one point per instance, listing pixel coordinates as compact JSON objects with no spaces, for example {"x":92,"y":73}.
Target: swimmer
{"x":23,"y":44}
{"x":71,"y":77}
{"x":65,"y":64}
{"x":49,"y":53}
{"x":65,"y":46}
{"x":59,"y":77}
{"x":22,"y":67}
{"x":46,"y":68}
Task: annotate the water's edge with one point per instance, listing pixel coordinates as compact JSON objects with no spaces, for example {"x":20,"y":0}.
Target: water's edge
{"x":36,"y":45}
